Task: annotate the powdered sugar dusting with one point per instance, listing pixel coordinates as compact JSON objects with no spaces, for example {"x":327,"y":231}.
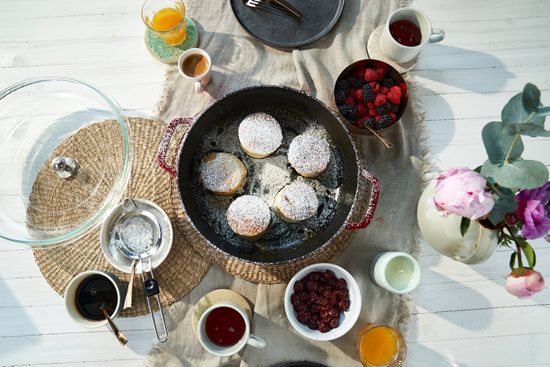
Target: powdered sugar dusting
{"x":309,"y":155}
{"x":266,"y":177}
{"x":248,"y":215}
{"x":297,"y":201}
{"x":260,"y":134}
{"x":222,"y":172}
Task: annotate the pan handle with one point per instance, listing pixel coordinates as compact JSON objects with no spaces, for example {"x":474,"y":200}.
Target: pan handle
{"x":165,"y":143}
{"x":373,"y":201}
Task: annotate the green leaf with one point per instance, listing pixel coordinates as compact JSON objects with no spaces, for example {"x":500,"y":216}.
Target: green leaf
{"x":497,"y":143}
{"x":520,"y":174}
{"x":514,"y":113}
{"x":502,"y":207}
{"x":529,"y":253}
{"x":543,"y":111}
{"x":513,"y":260}
{"x":528,"y":128}
{"x":464,"y":224}
{"x":530,"y":98}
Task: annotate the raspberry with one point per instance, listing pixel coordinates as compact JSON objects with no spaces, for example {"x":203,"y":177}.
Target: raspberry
{"x":384,"y":91}
{"x":348,"y":111}
{"x":361,"y":110}
{"x":381,"y":73}
{"x":383,"y":109}
{"x":371,"y":75}
{"x":342,"y":85}
{"x":375,"y":87}
{"x":357,"y":95}
{"x":388,"y":82}
{"x":355,"y":82}
{"x":380,"y":100}
{"x":339,"y":95}
{"x":359,"y":73}
{"x":384,"y":121}
{"x":403,"y":87}
{"x":349,"y":101}
{"x":393,"y":117}
{"x":370,"y":104}
{"x":394,"y":95}
{"x":372,"y":112}
{"x":368,"y":93}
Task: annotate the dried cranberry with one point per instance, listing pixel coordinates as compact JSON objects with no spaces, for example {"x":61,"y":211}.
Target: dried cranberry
{"x":333,"y":299}
{"x":314,"y":276}
{"x":313,"y":324}
{"x":312,"y":285}
{"x":313,"y":297}
{"x":341,"y":293}
{"x":304,"y":296}
{"x":295,"y":300}
{"x":301,"y":308}
{"x":328,"y":274}
{"x":304,"y":317}
{"x":334,"y":322}
{"x":343,"y":305}
{"x":324,"y":327}
{"x":298,"y":286}
{"x":341,"y":283}
{"x":314,"y":309}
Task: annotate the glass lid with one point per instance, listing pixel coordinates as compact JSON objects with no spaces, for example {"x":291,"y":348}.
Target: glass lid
{"x":65,"y":160}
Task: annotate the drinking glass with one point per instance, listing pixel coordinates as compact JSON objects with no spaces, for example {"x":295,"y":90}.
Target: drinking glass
{"x":166,"y":18}
{"x":380,"y":346}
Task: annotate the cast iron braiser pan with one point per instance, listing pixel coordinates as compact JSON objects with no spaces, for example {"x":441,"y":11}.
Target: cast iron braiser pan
{"x":261,"y":98}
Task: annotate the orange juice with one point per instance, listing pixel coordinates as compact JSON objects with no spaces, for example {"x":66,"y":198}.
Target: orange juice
{"x":167,"y":21}
{"x":380,"y":346}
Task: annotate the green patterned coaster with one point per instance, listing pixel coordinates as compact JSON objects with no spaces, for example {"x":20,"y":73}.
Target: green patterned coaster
{"x":170,"y":54}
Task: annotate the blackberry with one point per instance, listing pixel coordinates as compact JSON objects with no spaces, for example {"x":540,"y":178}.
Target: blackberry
{"x":339,"y":95}
{"x":394,"y":108}
{"x":387,"y":82}
{"x":355,"y":82}
{"x":383,"y":109}
{"x":369,"y":121}
{"x":348,"y":111}
{"x":342,"y":85}
{"x":368,"y":93}
{"x":385,"y":121}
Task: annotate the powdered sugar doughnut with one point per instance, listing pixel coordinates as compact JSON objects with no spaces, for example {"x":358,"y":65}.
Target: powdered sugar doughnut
{"x":309,"y":155}
{"x":260,"y":135}
{"x":296,"y":202}
{"x":222,"y":173}
{"x":248,"y":216}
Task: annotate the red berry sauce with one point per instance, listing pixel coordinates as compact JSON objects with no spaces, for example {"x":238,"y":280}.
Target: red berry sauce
{"x":224,"y":326}
{"x":406,"y":32}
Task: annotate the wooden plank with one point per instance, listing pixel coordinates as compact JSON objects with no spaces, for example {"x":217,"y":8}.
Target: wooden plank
{"x":35,"y":9}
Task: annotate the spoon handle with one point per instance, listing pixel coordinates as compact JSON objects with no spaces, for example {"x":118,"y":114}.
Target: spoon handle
{"x":128,"y":298}
{"x":121,"y":338}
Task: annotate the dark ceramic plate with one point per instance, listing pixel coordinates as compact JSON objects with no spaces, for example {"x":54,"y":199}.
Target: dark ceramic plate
{"x":269,"y":25}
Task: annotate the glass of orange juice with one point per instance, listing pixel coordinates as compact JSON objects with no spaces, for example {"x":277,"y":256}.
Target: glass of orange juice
{"x":380,"y":346}
{"x":166,"y":18}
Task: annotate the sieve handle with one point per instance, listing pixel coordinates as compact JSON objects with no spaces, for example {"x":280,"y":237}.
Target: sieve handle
{"x":151,"y":288}
{"x":373,"y":201}
{"x":165,"y":143}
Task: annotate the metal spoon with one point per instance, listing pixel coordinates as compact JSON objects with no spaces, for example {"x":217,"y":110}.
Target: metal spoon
{"x":121,"y":338}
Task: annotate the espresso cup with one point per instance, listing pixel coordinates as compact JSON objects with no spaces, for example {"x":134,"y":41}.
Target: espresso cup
{"x":418,"y":22}
{"x":195,"y":65}
{"x":398,"y":272}
{"x":224,"y":329}
{"x":85,"y":293}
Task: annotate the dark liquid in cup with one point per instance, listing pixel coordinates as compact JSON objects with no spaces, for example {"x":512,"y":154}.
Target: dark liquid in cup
{"x":195,"y":65}
{"x":224,"y":326}
{"x":91,"y":293}
{"x":406,"y":32}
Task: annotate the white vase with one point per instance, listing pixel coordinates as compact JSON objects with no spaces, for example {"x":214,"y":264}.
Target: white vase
{"x":443,"y":233}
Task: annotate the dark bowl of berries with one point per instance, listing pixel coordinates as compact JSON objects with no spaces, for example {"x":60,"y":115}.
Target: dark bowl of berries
{"x":322,"y":301}
{"x":371,"y":94}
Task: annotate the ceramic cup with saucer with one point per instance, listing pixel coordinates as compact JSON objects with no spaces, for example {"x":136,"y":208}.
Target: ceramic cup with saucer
{"x":195,"y":65}
{"x":224,"y":329}
{"x":398,"y":272}
{"x":87,"y":292}
{"x":416,"y":30}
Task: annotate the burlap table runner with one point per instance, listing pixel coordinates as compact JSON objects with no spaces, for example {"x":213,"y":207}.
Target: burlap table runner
{"x":239,"y":61}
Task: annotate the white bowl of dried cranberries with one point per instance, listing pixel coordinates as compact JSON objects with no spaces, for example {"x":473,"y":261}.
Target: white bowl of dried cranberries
{"x":322,"y":301}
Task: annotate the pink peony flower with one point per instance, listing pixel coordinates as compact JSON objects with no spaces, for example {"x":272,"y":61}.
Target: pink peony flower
{"x":534,"y":211}
{"x":463,"y":192}
{"x":523,"y":283}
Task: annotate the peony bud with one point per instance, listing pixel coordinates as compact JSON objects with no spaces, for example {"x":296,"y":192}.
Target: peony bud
{"x":523,"y":282}
{"x":462,"y":191}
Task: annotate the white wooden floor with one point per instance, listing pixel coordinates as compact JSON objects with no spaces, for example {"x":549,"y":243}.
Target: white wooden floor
{"x":462,"y":314}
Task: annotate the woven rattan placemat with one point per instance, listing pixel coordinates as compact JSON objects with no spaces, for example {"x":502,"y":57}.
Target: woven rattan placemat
{"x":182,"y":269}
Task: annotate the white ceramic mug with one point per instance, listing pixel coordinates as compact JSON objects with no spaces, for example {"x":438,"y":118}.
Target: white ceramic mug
{"x":399,"y":53}
{"x":223,"y":350}
{"x":199,"y":73}
{"x":395,"y":271}
{"x":70,"y":298}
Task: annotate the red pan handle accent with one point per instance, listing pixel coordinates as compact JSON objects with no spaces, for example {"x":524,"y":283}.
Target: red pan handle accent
{"x":165,"y":142}
{"x":373,"y":201}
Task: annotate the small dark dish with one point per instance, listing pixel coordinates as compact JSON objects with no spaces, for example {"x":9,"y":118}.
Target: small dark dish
{"x":358,"y":94}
